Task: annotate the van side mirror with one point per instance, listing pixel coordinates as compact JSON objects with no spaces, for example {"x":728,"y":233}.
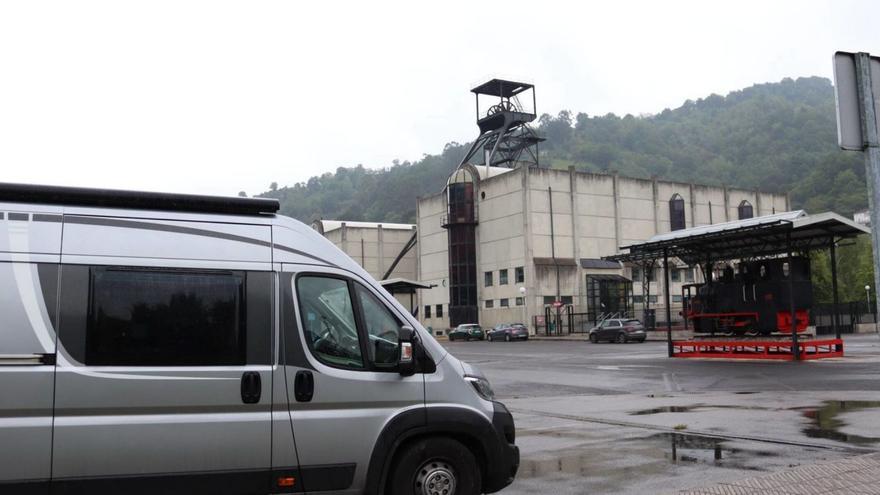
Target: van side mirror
{"x":406,"y":363}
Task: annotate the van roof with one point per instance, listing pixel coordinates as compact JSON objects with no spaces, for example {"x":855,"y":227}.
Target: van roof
{"x":138,"y":200}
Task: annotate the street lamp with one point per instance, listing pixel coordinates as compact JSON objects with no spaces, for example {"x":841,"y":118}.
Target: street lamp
{"x":522,"y":292}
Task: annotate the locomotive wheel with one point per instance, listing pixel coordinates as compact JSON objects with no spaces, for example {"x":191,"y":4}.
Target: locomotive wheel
{"x":621,"y":338}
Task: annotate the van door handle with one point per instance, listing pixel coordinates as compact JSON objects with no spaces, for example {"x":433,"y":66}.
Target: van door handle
{"x":251,"y":387}
{"x":303,"y":386}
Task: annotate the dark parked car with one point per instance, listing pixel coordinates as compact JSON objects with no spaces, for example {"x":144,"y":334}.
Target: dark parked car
{"x":508,"y":332}
{"x":467,"y":331}
{"x":620,"y":330}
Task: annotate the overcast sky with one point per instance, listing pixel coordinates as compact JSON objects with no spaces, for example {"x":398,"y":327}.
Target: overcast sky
{"x":215,"y":97}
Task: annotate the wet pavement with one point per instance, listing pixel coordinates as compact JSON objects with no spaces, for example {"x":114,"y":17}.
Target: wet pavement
{"x":614,"y":418}
{"x":856,"y":475}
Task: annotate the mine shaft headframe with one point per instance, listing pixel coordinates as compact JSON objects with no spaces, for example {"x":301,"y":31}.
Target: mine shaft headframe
{"x":505,"y":135}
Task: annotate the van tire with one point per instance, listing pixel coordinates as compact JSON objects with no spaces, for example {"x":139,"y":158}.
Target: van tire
{"x":446,"y":452}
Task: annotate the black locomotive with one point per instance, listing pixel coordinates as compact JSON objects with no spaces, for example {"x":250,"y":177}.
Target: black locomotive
{"x":752,"y":299}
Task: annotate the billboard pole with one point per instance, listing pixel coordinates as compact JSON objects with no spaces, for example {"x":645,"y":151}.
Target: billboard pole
{"x":871,"y":150}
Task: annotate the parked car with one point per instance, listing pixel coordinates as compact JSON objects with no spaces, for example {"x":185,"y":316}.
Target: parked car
{"x":467,"y":331}
{"x":176,"y":344}
{"x":620,"y":330}
{"x":508,"y":332}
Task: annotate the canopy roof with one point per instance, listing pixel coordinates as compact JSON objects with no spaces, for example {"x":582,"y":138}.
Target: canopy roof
{"x":402,"y":285}
{"x":753,"y":237}
{"x":502,"y":88}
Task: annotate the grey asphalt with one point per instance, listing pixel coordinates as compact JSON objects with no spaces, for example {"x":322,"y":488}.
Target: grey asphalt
{"x":624,"y":418}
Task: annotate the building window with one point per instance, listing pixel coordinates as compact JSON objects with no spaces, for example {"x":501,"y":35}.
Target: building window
{"x":505,"y":303}
{"x":676,"y":212}
{"x":520,"y":274}
{"x":745,"y":210}
{"x":567,"y":300}
{"x":490,"y":303}
{"x":439,"y":311}
{"x":676,"y":298}
{"x":519,"y":301}
{"x":675,"y":274}
{"x":487,"y":279}
{"x":689,"y":274}
{"x":652,"y":299}
{"x":427,"y":311}
{"x":638,"y":299}
{"x":549,"y":300}
{"x":502,"y":277}
{"x":636,"y":274}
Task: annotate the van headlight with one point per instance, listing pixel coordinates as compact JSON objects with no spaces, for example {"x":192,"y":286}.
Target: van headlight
{"x":481,"y":386}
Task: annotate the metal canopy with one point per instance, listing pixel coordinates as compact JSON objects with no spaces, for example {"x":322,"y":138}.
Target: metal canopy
{"x":402,"y":285}
{"x":600,"y":263}
{"x":501,"y":88}
{"x":754,"y":237}
{"x":613,"y":278}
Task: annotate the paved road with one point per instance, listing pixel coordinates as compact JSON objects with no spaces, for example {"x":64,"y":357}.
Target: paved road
{"x":610,"y":418}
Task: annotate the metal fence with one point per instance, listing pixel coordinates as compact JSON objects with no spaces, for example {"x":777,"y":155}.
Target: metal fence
{"x":850,"y":314}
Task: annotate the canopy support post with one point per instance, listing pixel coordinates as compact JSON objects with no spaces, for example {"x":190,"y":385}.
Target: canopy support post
{"x":795,"y":350}
{"x":835,"y":312}
{"x":666,"y":297}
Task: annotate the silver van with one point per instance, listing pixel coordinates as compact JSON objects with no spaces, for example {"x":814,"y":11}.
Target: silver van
{"x":175,"y":344}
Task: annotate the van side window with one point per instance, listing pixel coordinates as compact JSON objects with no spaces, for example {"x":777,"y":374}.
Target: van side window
{"x":328,"y":321}
{"x":165,"y":318}
{"x":382,"y":329}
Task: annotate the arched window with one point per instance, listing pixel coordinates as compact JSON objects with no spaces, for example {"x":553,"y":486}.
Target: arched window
{"x":745,"y":210}
{"x":676,"y":212}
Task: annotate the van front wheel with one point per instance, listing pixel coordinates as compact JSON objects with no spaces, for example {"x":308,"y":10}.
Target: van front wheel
{"x":435,"y":466}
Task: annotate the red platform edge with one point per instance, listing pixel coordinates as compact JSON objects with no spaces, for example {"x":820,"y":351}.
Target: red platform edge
{"x":757,"y":349}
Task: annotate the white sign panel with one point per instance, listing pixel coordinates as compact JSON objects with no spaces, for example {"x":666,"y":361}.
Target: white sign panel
{"x":849,"y":125}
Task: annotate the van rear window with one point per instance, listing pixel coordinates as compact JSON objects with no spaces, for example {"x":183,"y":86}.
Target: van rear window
{"x":165,"y":318}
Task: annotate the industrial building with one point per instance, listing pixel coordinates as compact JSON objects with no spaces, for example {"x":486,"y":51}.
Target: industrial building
{"x":539,"y":236}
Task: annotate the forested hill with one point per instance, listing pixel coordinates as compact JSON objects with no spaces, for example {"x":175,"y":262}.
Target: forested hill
{"x":777,"y":136}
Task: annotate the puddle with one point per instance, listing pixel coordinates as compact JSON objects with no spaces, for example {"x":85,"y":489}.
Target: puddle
{"x":581,"y":464}
{"x":666,"y":409}
{"x":696,"y":449}
{"x":825,"y":423}
{"x":694,"y":407}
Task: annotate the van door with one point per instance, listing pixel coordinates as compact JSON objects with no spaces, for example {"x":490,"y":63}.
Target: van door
{"x":341,"y":354}
{"x":163,"y":382}
{"x":30,"y":247}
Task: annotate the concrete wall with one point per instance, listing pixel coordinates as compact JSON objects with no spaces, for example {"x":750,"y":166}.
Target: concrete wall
{"x":433,"y":257}
{"x":500,"y":245}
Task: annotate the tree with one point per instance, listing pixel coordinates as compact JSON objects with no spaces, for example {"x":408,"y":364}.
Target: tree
{"x":855,"y":270}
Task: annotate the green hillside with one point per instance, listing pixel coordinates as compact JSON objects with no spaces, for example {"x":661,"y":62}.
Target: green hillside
{"x":777,"y":136}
